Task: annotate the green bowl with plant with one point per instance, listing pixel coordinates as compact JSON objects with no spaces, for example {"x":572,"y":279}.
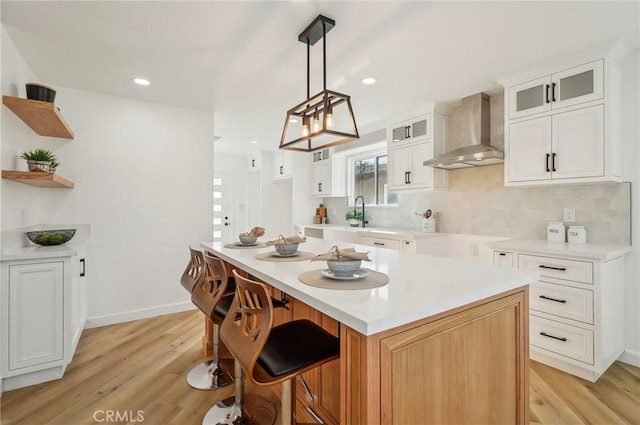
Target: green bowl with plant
{"x":51,"y":237}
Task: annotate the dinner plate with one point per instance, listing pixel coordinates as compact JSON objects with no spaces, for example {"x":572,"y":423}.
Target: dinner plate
{"x":358,"y":274}
{"x":277,"y":254}
{"x":246,"y":244}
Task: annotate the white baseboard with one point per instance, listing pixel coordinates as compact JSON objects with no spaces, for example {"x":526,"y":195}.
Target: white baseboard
{"x":145,"y":313}
{"x":630,"y":357}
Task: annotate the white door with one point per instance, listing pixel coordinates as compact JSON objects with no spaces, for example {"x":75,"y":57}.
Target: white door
{"x":530,"y":150}
{"x":221,"y":207}
{"x":578,"y":143}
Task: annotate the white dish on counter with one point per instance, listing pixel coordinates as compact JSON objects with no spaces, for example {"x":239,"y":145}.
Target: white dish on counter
{"x":358,"y":274}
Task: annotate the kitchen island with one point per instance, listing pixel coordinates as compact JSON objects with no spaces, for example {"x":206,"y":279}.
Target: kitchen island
{"x":444,"y":341}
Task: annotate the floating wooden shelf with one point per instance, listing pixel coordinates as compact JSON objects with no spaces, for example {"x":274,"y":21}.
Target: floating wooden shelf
{"x":43,"y":117}
{"x":35,"y":178}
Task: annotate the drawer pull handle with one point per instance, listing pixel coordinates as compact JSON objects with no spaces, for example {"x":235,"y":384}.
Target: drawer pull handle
{"x":563,"y":339}
{"x":315,"y":415}
{"x":553,"y":299}
{"x":378,"y":243}
{"x":562,"y":269}
{"x":502,"y":254}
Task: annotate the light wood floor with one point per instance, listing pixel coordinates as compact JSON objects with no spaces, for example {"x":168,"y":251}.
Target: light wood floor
{"x":142,"y":366}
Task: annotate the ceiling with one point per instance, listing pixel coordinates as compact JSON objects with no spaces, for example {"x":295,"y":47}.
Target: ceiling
{"x":242,"y":59}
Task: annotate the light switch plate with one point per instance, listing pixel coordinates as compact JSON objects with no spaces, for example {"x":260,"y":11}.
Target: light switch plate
{"x":569,"y":215}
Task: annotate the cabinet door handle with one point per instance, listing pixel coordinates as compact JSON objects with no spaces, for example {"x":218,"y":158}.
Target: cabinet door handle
{"x":83,"y":269}
{"x":281,"y":170}
{"x":408,"y":177}
{"x":546,"y":95}
{"x":544,"y":297}
{"x":563,"y":339}
{"x":547,"y":162}
{"x":319,"y":187}
{"x":408,"y":132}
{"x":553,"y":161}
{"x":405,"y":177}
{"x":562,"y":269}
{"x":253,"y":162}
{"x":553,"y":92}
{"x":315,"y":415}
{"x":378,"y":243}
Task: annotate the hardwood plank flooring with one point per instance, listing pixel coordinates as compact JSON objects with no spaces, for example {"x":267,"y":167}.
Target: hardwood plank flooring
{"x":142,"y":366}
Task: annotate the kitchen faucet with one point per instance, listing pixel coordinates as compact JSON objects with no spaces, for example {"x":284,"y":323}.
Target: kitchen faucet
{"x":355,"y":204}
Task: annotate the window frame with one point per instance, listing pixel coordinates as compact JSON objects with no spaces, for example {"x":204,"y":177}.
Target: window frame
{"x":374,"y":150}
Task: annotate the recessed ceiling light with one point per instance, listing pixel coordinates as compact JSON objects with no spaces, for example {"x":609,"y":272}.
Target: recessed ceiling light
{"x":141,"y":81}
{"x":293,"y":120}
{"x":254,"y":142}
{"x":368,"y":80}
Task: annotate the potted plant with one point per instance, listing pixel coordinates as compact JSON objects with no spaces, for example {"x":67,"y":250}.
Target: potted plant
{"x":354,"y":218}
{"x":41,"y":160}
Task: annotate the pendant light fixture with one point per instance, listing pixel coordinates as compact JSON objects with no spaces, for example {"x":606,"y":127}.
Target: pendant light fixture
{"x":325,"y":119}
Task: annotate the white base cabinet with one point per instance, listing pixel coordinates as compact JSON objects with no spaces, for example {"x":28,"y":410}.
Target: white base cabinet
{"x":576,"y":311}
{"x":43,"y":310}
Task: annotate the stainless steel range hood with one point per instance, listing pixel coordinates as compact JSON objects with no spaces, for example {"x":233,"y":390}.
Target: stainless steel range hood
{"x":476,"y":149}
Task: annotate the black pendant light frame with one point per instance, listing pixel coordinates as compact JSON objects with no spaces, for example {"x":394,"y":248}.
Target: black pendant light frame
{"x":322,"y":102}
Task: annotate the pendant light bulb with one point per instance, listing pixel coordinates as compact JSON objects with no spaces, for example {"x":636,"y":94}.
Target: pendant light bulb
{"x":305,"y":126}
{"x":329,"y":116}
{"x":316,"y":122}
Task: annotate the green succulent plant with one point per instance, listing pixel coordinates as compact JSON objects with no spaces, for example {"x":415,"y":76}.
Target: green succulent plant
{"x":43,"y":155}
{"x":353,"y":215}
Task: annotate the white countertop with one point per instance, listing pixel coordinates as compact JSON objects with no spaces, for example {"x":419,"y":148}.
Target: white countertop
{"x":16,"y":246}
{"x":395,"y":233}
{"x":420,"y":285}
{"x":539,"y":246}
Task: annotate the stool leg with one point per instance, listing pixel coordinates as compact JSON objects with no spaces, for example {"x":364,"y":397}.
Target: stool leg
{"x":288,"y":403}
{"x":210,"y":375}
{"x":234,"y":411}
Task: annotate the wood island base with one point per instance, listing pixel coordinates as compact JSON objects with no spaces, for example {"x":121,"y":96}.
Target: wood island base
{"x":467,"y":365}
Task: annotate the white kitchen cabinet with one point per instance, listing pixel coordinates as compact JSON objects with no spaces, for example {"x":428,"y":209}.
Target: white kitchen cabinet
{"x":328,"y":174}
{"x":564,"y":126}
{"x":380,"y":242}
{"x":255,"y":163}
{"x":406,"y":155}
{"x":282,"y":165}
{"x":503,"y":259}
{"x":579,"y":84}
{"x":411,"y":131}
{"x":36,"y":314}
{"x":568,"y":145}
{"x":408,"y":246}
{"x":576,"y":314}
{"x":43,"y":310}
{"x":407,"y":171}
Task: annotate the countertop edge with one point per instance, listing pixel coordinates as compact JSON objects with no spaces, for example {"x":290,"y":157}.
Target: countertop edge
{"x":602,"y":252}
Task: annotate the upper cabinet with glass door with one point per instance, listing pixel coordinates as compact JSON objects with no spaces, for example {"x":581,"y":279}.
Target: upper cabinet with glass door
{"x":569,"y":87}
{"x":410,"y":131}
{"x":564,"y":121}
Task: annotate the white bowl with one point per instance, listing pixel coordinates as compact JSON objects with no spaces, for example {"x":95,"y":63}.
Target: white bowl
{"x":344,"y":268}
{"x":286,"y":249}
{"x":247,"y":240}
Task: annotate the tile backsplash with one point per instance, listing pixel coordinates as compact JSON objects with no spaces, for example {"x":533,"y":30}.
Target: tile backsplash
{"x":478,"y":203}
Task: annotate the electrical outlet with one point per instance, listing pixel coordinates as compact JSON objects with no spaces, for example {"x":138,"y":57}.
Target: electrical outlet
{"x":569,"y":215}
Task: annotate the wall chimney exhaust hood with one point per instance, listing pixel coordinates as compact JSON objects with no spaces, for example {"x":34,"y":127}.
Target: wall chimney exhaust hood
{"x":476,"y":149}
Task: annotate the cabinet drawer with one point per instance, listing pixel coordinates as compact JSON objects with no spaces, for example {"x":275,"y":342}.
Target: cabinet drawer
{"x":559,"y":268}
{"x":503,"y":259}
{"x":380,"y":242}
{"x":562,"y":339}
{"x":564,"y":301}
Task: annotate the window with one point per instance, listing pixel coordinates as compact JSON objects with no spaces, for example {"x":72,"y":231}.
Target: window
{"x":368,"y":176}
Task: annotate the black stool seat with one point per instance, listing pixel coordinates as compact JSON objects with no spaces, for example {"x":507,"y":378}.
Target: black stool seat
{"x":294,"y":345}
{"x":222,"y":308}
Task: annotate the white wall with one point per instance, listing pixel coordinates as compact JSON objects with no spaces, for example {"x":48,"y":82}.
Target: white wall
{"x":143,"y":180}
{"x":631,"y":136}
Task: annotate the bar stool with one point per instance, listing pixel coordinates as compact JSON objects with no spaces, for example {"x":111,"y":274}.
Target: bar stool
{"x":268,"y":355}
{"x":194,"y":270}
{"x":210,"y":295}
